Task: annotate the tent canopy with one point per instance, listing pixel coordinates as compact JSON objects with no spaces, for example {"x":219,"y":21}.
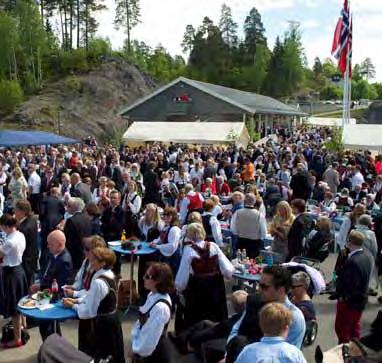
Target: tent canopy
{"x":363,"y":136}
{"x":188,"y":132}
{"x":326,"y":121}
{"x":26,"y":138}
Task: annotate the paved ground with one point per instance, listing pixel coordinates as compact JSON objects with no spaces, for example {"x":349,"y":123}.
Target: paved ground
{"x":326,"y":335}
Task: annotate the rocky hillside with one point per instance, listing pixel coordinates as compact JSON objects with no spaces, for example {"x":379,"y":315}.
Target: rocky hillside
{"x":84,"y":104}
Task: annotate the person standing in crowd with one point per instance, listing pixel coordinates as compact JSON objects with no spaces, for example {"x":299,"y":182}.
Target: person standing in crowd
{"x":14,"y":280}
{"x":300,"y":229}
{"x":94,"y":214}
{"x":279,"y":229}
{"x":300,"y":184}
{"x":76,"y":228}
{"x":318,"y":240}
{"x":201,"y":278}
{"x":194,"y":199}
{"x":131,"y":204}
{"x":18,"y":186}
{"x":300,"y":297}
{"x":149,"y":343}
{"x":34,"y":184}
{"x":27,"y":225}
{"x":249,"y":226}
{"x":58,"y":267}
{"x":211,"y":224}
{"x":152,"y":184}
{"x":357,"y":178}
{"x":275,"y":321}
{"x":248,"y":172}
{"x":332,"y":177}
{"x":79,"y":189}
{"x":352,"y":289}
{"x":105,"y":338}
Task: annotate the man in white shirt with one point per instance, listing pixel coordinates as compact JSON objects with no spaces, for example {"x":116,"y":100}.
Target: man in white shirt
{"x":34,"y":184}
{"x":357,"y":178}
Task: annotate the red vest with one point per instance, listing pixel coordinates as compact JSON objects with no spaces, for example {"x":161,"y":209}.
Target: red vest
{"x":195,"y":202}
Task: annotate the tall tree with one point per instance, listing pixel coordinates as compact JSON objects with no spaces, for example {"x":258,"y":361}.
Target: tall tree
{"x":228,"y":27}
{"x":9,"y":40}
{"x":254,"y":32}
{"x":188,"y":38}
{"x":317,"y":67}
{"x":127,"y":15}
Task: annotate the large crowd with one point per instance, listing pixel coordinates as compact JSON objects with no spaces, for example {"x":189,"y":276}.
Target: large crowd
{"x":207,"y":211}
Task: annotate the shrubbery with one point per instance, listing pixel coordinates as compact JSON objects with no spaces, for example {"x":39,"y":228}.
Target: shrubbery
{"x":11,"y":95}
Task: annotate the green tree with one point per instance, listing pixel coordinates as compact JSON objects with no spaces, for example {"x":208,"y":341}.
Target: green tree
{"x":11,"y":95}
{"x":276,"y":81}
{"x":378,"y":89}
{"x":188,"y":39}
{"x":9,"y":40}
{"x":329,"y":68}
{"x":317,"y":67}
{"x":127,"y":15}
{"x":254,"y":32}
{"x":228,"y":27}
{"x":331,"y":92}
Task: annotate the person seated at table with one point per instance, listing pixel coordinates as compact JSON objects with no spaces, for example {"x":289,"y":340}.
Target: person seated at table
{"x":275,"y":320}
{"x":14,"y":281}
{"x":149,"y":343}
{"x":250,"y":227}
{"x":208,"y":187}
{"x":100,"y":306}
{"x":59,"y":267}
{"x":279,"y":229}
{"x":318,"y":240}
{"x":300,"y":296}
{"x":357,"y":194}
{"x":168,"y":243}
{"x":344,"y":200}
{"x":222,"y":187}
{"x":211,"y":224}
{"x":328,"y":204}
{"x":201,"y":278}
{"x":371,"y":205}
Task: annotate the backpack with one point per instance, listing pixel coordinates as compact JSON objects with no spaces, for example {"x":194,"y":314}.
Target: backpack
{"x":8,"y":335}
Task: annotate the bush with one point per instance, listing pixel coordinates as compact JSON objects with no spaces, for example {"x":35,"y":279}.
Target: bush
{"x":74,"y":84}
{"x":11,"y":95}
{"x":98,"y":47}
{"x":74,"y":61}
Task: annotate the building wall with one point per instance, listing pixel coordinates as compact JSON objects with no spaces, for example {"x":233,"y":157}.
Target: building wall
{"x":203,"y":106}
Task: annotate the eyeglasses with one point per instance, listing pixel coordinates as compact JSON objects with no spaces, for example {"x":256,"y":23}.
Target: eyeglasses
{"x":147,"y":277}
{"x":296,"y":286}
{"x":264,"y":286}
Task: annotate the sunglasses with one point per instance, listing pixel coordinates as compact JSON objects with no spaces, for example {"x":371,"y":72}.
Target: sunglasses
{"x":264,"y":286}
{"x":147,"y":277}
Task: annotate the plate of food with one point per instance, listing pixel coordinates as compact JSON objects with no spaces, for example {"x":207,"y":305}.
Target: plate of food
{"x":114,"y":243}
{"x":28,"y":303}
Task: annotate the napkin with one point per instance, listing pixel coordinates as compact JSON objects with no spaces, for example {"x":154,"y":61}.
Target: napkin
{"x":45,"y":307}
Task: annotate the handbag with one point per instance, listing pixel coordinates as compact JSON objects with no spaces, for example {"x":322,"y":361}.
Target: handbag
{"x":124,"y":291}
{"x":7,"y":334}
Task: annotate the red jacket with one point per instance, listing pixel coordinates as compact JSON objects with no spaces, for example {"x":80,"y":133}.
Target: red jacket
{"x":223,"y":189}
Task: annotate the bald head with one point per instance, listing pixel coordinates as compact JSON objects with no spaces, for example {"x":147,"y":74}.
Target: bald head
{"x":56,"y":242}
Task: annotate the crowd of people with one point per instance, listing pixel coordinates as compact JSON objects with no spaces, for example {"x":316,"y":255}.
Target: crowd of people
{"x":198,"y":207}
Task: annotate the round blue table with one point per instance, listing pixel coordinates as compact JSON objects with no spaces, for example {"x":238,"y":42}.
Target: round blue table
{"x":141,"y":248}
{"x":247,"y":276}
{"x":55,"y":313}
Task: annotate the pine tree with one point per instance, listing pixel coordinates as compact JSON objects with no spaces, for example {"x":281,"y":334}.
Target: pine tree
{"x":254,"y":32}
{"x":228,"y":27}
{"x":188,"y":39}
{"x":127,"y":15}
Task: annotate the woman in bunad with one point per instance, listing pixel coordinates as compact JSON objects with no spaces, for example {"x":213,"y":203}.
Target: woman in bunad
{"x":99,"y":306}
{"x":200,"y":278}
{"x":181,"y":177}
{"x":131,"y":204}
{"x":168,"y":243}
{"x":148,"y":337}
{"x":137,"y":176}
{"x":102,"y":191}
{"x":14,"y":280}
{"x":150,"y":226}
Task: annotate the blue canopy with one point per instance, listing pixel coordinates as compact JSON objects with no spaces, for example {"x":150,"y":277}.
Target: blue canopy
{"x":25,"y":138}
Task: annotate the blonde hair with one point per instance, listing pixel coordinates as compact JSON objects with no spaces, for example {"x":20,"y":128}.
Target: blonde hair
{"x":284,"y":206}
{"x":194,"y":217}
{"x":196,"y":232}
{"x":274,"y":319}
{"x":156,"y":216}
{"x":17,"y":172}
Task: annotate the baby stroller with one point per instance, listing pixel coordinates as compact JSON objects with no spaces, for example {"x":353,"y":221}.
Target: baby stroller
{"x":317,"y":285}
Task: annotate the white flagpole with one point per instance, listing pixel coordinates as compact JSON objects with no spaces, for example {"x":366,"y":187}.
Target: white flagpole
{"x":345,"y":98}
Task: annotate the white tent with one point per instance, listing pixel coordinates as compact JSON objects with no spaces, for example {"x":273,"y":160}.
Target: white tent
{"x":363,"y":136}
{"x":326,"y":121}
{"x":187,"y":132}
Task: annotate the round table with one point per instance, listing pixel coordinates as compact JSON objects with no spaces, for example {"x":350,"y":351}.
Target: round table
{"x":247,"y":276}
{"x":141,"y":248}
{"x":55,"y":313}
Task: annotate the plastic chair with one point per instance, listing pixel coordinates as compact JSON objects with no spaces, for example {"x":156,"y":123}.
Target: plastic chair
{"x":307,"y":261}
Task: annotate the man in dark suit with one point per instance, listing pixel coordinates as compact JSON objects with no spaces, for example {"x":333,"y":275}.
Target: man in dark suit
{"x":352,"y":289}
{"x":28,"y":226}
{"x":76,"y":228}
{"x":300,"y":228}
{"x":58,"y":267}
{"x":152,"y":184}
{"x":300,"y":184}
{"x":80,"y":189}
{"x":52,"y":211}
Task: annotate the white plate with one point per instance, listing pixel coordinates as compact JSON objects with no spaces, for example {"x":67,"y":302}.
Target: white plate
{"x":20,"y":304}
{"x":114,"y":243}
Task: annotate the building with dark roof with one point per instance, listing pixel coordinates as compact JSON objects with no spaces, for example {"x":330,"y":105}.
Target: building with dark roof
{"x":188,"y":100}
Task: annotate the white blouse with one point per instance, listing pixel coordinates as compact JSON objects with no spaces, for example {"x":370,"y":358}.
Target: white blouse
{"x":88,"y":306}
{"x":145,"y":339}
{"x":169,"y":248}
{"x":185,"y":269}
{"x":13,"y":249}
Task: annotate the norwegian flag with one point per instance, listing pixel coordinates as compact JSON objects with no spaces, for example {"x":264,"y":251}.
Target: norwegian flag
{"x":342,"y":41}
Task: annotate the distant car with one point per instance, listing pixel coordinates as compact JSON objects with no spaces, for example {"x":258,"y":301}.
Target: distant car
{"x":364,"y":102}
{"x":338,"y":102}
